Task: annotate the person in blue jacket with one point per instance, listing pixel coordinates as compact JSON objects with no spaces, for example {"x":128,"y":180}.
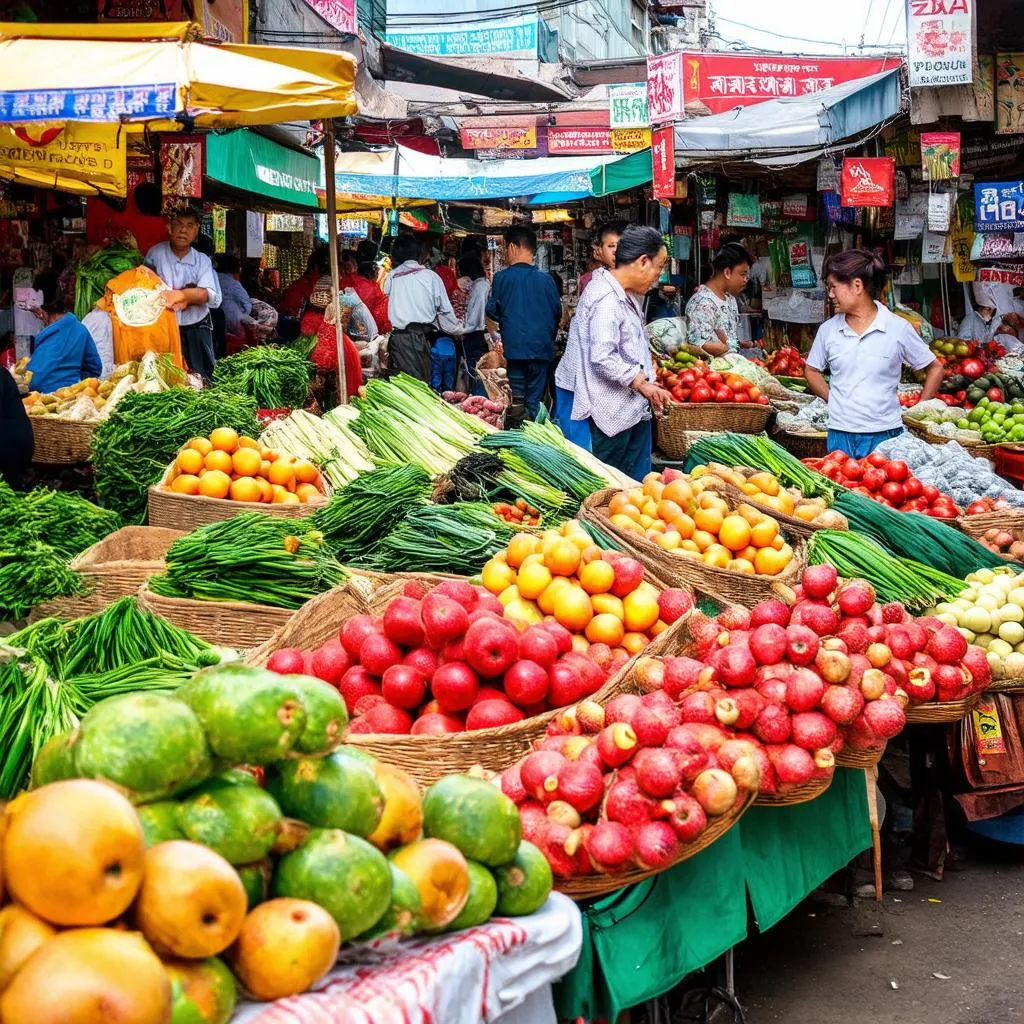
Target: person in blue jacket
{"x":64,"y":352}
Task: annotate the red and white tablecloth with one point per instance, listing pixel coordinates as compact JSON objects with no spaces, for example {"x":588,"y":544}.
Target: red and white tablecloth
{"x":500,"y":972}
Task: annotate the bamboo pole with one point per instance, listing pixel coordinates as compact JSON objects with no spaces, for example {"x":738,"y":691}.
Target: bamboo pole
{"x":332,"y":244}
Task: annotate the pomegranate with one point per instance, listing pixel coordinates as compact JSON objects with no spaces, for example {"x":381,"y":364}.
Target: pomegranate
{"x":616,"y":743}
{"x":878,"y":654}
{"x":768,"y":643}
{"x":772,"y":725}
{"x":655,"y":846}
{"x":801,"y":644}
{"x":793,"y":765}
{"x":715,"y":790}
{"x":610,"y":847}
{"x":855,"y":597}
{"x":511,"y":784}
{"x":539,"y":773}
{"x":947,"y":646}
{"x":842,"y":704}
{"x":685,"y":815}
{"x":736,"y":666}
{"x":804,"y":690}
{"x":816,"y":615}
{"x":692,"y":758}
{"x":651,"y":727}
{"x":771,"y":611}
{"x":885,"y":718}
{"x":622,"y":708}
{"x":832,"y":665}
{"x":872,"y":684}
{"x":581,"y":785}
{"x":819,"y":581}
{"x":590,"y":716}
{"x":855,"y":635}
{"x":658,"y":771}
{"x":626,"y":803}
{"x":812,"y":730}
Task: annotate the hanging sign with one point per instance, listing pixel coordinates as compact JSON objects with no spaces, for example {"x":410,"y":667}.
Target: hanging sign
{"x":1009,"y":73}
{"x":579,"y":141}
{"x":797,"y":207}
{"x":868,"y":181}
{"x":93,"y":155}
{"x":940,"y":155}
{"x":627,"y":106}
{"x":630,"y":140}
{"x":502,"y":137}
{"x":940,"y":211}
{"x":744,"y":210}
{"x":999,"y":206}
{"x":993,"y":275}
{"x":339,"y":14}
{"x":665,"y":87}
{"x":663,"y":160}
{"x":940,"y":42}
{"x":220,"y":229}
{"x":935,"y":248}
{"x":828,"y":175}
{"x":910,"y":216}
{"x":801,"y":270}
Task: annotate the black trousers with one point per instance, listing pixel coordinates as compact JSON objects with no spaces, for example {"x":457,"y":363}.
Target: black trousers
{"x":197,"y":347}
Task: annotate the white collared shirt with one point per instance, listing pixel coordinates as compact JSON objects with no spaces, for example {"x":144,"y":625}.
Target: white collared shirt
{"x":193,"y":270}
{"x":416,"y":295}
{"x":866,"y":369}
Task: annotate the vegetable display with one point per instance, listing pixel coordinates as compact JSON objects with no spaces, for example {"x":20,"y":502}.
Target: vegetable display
{"x":700,"y":384}
{"x":31,"y":573}
{"x":277,"y":378}
{"x":93,"y":273}
{"x":786,"y":362}
{"x":483,"y":408}
{"x":65,"y":521}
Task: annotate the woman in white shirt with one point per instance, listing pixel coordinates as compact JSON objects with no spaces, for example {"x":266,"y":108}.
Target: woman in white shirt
{"x":473,"y":280}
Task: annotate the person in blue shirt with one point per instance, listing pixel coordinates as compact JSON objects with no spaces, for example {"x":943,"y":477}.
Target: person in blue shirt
{"x":64,"y":351}
{"x":526,"y":306}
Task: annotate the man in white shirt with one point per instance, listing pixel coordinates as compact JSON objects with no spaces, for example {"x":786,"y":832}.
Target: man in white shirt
{"x":418,"y":305}
{"x":194,"y":288}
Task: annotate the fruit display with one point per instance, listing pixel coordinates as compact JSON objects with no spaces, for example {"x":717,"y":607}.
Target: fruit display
{"x":889,"y":482}
{"x":477,"y":405}
{"x":980,"y":506}
{"x":786,"y":362}
{"x":700,"y":384}
{"x":1003,"y":542}
{"x":686,"y":517}
{"x":229,"y":465}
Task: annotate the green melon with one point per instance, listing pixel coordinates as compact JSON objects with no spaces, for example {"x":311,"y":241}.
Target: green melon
{"x":256,"y":879}
{"x":347,"y":876}
{"x":55,"y":760}
{"x":403,"y":917}
{"x":232,"y":816}
{"x":473,"y":816}
{"x":356,"y":754}
{"x":326,"y":717}
{"x":483,"y":898}
{"x":251,"y":716}
{"x":160,"y":822}
{"x":524,"y":883}
{"x":336,"y":791}
{"x":202,"y":991}
{"x":149,"y":745}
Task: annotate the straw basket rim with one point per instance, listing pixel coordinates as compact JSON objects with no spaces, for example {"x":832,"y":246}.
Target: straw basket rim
{"x":799,"y":794}
{"x":683,"y":418}
{"x":850,"y":758}
{"x":61,"y":441}
{"x":934,"y":712}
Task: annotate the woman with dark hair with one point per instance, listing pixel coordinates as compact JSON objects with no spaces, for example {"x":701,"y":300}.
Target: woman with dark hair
{"x":297,"y":294}
{"x":610,"y":370}
{"x":364,"y":283}
{"x":864,"y":348}
{"x":64,"y":351}
{"x":473,"y":283}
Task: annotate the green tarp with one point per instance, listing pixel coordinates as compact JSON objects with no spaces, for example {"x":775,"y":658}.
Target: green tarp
{"x":253,"y":163}
{"x":640,"y":942}
{"x":635,"y":169}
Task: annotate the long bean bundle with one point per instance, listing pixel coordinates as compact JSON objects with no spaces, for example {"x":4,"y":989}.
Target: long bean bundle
{"x":254,"y":558}
{"x":277,"y":378}
{"x":31,"y":573}
{"x":64,"y":520}
{"x":553,"y":464}
{"x":894,"y":578}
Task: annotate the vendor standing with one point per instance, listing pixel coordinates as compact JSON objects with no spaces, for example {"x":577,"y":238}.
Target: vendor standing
{"x":194,"y":288}
{"x":614,"y":380}
{"x":864,"y":347}
{"x":713,"y":314}
{"x":64,"y":352}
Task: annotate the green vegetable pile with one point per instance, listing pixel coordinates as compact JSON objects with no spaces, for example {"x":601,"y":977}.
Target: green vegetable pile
{"x":132,"y":449}
{"x":277,"y":378}
{"x":93,"y":273}
{"x":62,"y":519}
{"x":253,"y":558}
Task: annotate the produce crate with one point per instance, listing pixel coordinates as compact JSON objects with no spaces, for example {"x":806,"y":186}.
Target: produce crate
{"x":113,"y":568}
{"x":187,"y":511}
{"x":1009,"y":461}
{"x":723,"y":584}
{"x":938,"y":712}
{"x":429,"y":758}
{"x":792,"y":795}
{"x":61,"y":442}
{"x":224,"y":623}
{"x":683,"y":418}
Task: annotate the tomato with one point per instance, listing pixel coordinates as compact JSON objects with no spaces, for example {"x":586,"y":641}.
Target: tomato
{"x":877,"y":459}
{"x":853,"y":469}
{"x":839,"y":456}
{"x":763,"y":400}
{"x":883,"y":501}
{"x":874,"y":479}
{"x":863,"y":490}
{"x":995,"y":394}
{"x":897,"y":471}
{"x":894,"y":492}
{"x":714,"y":379}
{"x":722,"y":393}
{"x":688,"y":378}
{"x":930,"y":493}
{"x":677,"y":394}
{"x":671,"y":380}
{"x":943,"y":513}
{"x":913,"y":487}
{"x":701,"y":393}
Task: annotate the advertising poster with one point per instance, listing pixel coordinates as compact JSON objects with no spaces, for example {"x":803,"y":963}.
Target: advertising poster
{"x":940,"y":42}
{"x":868,"y":181}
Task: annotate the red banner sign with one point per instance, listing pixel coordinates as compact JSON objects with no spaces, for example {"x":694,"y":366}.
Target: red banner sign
{"x":869,"y":181}
{"x":579,"y":141}
{"x":713,"y":83}
{"x":993,"y":275}
{"x":504,"y":137}
{"x":663,"y":158}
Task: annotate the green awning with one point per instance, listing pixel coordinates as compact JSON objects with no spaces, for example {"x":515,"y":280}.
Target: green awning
{"x":630,"y":171}
{"x":253,"y":163}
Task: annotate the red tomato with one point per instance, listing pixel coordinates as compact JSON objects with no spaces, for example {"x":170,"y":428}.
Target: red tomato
{"x":883,"y":501}
{"x":677,"y":394}
{"x":722,"y":393}
{"x":877,"y":459}
{"x":741,"y":397}
{"x":913,"y":487}
{"x":763,"y":400}
{"x":930,"y":493}
{"x":995,"y":394}
{"x":839,"y":456}
{"x":688,"y":378}
{"x":853,"y":469}
{"x":701,"y":393}
{"x":894,"y":492}
{"x":714,"y":379}
{"x":897,"y":471}
{"x":874,"y":479}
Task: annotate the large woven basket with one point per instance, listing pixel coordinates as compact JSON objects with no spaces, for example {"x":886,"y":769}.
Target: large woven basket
{"x":429,"y":758}
{"x":1009,"y":519}
{"x":224,"y":623}
{"x":723,"y":584}
{"x":588,"y":887}
{"x":850,"y":758}
{"x":803,"y":446}
{"x":113,"y":568}
{"x":792,"y":795}
{"x":939,"y":712}
{"x":61,"y":442}
{"x":711,"y":417}
{"x":1005,"y":686}
{"x":187,"y":511}
{"x":976,"y":448}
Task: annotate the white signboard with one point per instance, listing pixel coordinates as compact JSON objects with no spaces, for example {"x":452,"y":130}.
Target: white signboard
{"x":940,"y":42}
{"x":627,"y":106}
{"x":665,"y":87}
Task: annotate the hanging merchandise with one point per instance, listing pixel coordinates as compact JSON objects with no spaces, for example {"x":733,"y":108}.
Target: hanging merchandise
{"x":710,"y":236}
{"x":798,"y":207}
{"x":904,"y":146}
{"x":835,"y":212}
{"x":999,"y":206}
{"x":940,"y":211}
{"x":868,"y":181}
{"x":744,"y":210}
{"x":910,"y":216}
{"x":682,"y":242}
{"x":801,"y":271}
{"x":902,"y":185}
{"x":828,"y":175}
{"x":935,"y":248}
{"x":961,"y":238}
{"x":220,"y":229}
{"x":707,"y":189}
{"x":940,"y":155}
{"x":1009,"y":84}
{"x":771,"y":215}
{"x":663,"y":162}
{"x":181,"y":167}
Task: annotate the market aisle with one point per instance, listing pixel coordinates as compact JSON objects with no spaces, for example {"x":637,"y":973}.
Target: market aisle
{"x":813,"y":969}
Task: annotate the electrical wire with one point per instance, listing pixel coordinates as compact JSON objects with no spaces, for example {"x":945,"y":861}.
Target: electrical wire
{"x":867,"y":18}
{"x":432,"y":18}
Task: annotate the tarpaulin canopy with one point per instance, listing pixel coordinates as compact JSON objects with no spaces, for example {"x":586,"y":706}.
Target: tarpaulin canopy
{"x":614,"y":176}
{"x":164,"y":75}
{"x":249,"y":161}
{"x":808,"y":122}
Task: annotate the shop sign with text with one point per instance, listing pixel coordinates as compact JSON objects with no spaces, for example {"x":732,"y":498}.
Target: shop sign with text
{"x":869,"y":181}
{"x":665,"y":87}
{"x":940,"y":42}
{"x":579,"y":141}
{"x":999,"y":206}
{"x":503,"y":137}
{"x":627,"y":106}
{"x":663,"y":159}
{"x":339,"y":14}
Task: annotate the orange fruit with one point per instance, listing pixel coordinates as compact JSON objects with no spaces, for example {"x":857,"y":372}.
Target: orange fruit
{"x":770,"y":562}
{"x":190,"y":461}
{"x":268,"y":454}
{"x":634,"y":643}
{"x":248,"y":442}
{"x":718,"y":556}
{"x":618,"y":502}
{"x":266,"y":490}
{"x":605,"y":629}
{"x":624,"y":522}
{"x":521,"y":545}
{"x":764,"y":532}
{"x":679,"y":491}
{"x":703,"y":539}
{"x":641,"y":611}
{"x":708,"y":519}
{"x":214,"y":484}
{"x":287,"y":498}
{"x":306,"y":472}
{"x":562,"y":558}
{"x":224,"y":439}
{"x":779,"y":542}
{"x":546,"y":601}
{"x":219,"y":460}
{"x":496,"y":576}
{"x":264,"y":468}
{"x":283,"y":474}
{"x":591,"y":553}
{"x":608,"y":603}
{"x":597,"y":577}
{"x":573,"y":609}
{"x":533,"y":580}
{"x":684,"y":526}
{"x":741,"y":565}
{"x":187,"y":483}
{"x":308,"y":492}
{"x":246,"y":462}
{"x":669,"y":510}
{"x":245,"y":488}
{"x":668,"y":540}
{"x":734,"y":533}
{"x":201,"y":445}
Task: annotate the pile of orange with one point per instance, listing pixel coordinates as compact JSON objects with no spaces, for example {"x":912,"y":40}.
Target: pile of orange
{"x":687,"y":517}
{"x":230,"y":465}
{"x":562,"y":576}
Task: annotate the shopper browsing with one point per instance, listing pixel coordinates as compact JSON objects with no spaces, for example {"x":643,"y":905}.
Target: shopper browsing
{"x":864,"y":348}
{"x":602,"y":249}
{"x":712,"y":314}
{"x":64,"y":352}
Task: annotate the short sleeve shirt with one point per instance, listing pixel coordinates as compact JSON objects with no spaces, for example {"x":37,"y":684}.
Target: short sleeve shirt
{"x":865,"y":370}
{"x":706,"y":314}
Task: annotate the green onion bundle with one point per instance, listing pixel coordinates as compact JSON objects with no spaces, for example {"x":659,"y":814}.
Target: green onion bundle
{"x":553,"y":464}
{"x":93,"y":273}
{"x":894,"y":578}
{"x":277,"y":378}
{"x":64,"y":520}
{"x":546,"y":431}
{"x":253,"y":558}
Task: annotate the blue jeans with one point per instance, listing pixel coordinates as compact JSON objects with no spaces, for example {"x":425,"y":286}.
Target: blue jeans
{"x":628,"y":451}
{"x":443,"y":365}
{"x":529,"y":378}
{"x":857,"y":446}
{"x":577,"y":431}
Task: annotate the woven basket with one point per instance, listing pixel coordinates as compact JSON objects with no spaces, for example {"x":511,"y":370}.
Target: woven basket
{"x":976,"y":448}
{"x":428,"y":758}
{"x":938,"y":712}
{"x":723,"y":584}
{"x":187,"y":511}
{"x":60,"y":442}
{"x":712,"y":417}
{"x":803,"y":446}
{"x":1005,"y":686}
{"x":792,"y":795}
{"x":224,"y":623}
{"x":496,"y":385}
{"x":789,"y":524}
{"x":588,"y":887}
{"x":1009,"y":519}
{"x":113,"y":568}
{"x":850,"y":758}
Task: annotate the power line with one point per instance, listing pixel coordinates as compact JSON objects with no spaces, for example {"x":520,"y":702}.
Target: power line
{"x":477,"y":15}
{"x":867,"y":18}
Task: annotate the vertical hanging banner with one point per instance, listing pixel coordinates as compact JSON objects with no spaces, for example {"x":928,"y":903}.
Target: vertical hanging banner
{"x":940,"y":42}
{"x":1009,"y":81}
{"x":665,"y":87}
{"x":869,"y":181}
{"x":940,"y":155}
{"x":663,"y":158}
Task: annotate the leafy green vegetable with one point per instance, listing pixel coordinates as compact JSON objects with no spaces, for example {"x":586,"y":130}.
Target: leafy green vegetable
{"x":93,"y":273}
{"x":62,"y":519}
{"x":278,"y":378}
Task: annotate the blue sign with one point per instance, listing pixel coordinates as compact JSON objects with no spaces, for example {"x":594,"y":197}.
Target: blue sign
{"x":999,"y":206}
{"x":107,"y":103}
{"x":516,"y":35}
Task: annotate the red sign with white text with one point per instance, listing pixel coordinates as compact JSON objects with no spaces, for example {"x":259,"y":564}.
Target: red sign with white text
{"x":713,"y":82}
{"x":663,"y":159}
{"x":579,"y":141}
{"x":869,"y":181}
